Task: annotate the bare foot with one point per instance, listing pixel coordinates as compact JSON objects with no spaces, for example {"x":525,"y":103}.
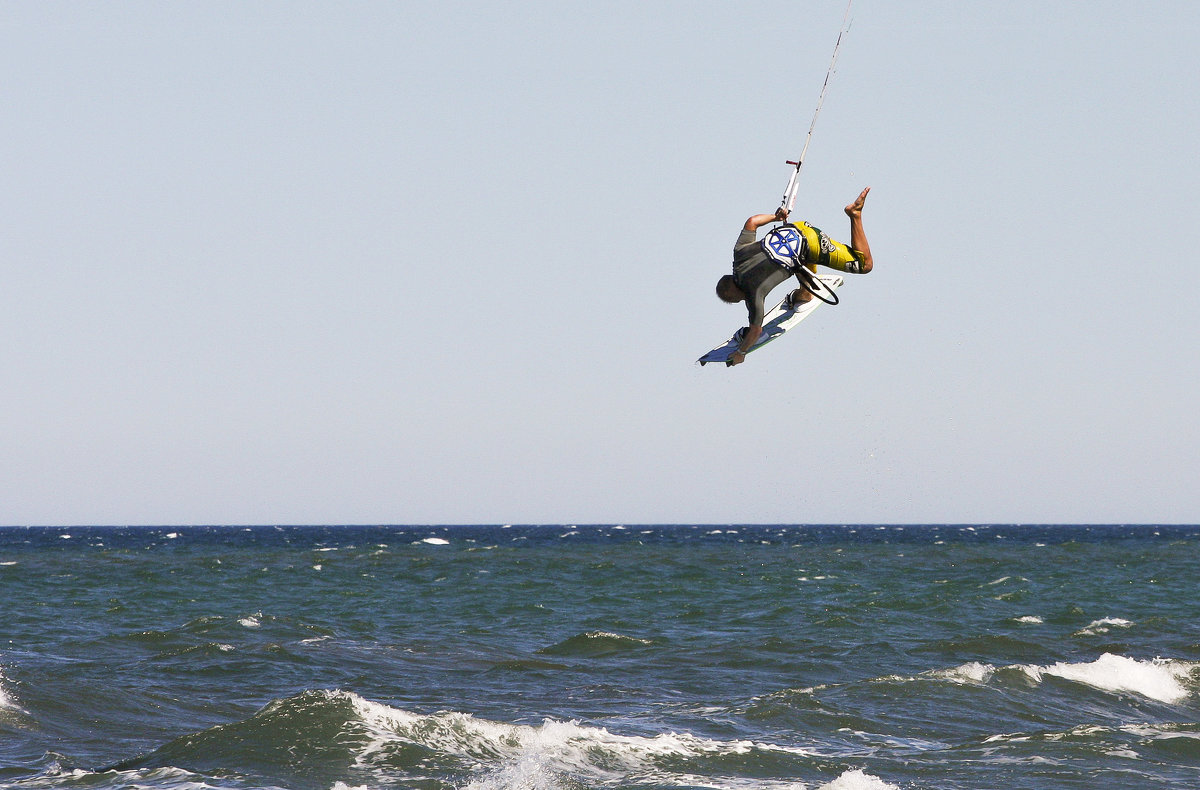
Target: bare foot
{"x":855,"y":208}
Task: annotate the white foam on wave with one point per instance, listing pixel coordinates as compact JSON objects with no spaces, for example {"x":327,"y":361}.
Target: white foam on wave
{"x":6,"y":701}
{"x":858,"y":780}
{"x":1029,"y":620}
{"x":537,"y":757}
{"x":1162,"y":731}
{"x":972,"y":672}
{"x":1143,"y":734}
{"x":1103,"y":626}
{"x":1160,"y":679}
{"x":135,"y":779}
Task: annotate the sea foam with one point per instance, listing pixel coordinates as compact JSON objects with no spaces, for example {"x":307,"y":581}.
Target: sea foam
{"x":971,"y":672}
{"x":858,"y":780}
{"x":1103,"y":626}
{"x":540,"y":756}
{"x":1159,"y":679}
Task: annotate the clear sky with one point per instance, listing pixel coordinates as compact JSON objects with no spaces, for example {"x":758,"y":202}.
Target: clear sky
{"x":285,"y":262}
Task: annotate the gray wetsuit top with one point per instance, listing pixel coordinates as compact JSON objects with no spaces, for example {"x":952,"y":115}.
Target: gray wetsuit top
{"x":756,"y":274}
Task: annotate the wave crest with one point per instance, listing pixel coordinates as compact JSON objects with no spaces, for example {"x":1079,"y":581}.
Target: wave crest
{"x":595,"y":644}
{"x":6,"y":699}
{"x":1160,"y":679}
{"x":319,"y":738}
{"x":858,"y":780}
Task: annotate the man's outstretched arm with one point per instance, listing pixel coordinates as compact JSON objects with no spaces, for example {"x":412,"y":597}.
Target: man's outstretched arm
{"x":758,"y":220}
{"x":749,"y":337}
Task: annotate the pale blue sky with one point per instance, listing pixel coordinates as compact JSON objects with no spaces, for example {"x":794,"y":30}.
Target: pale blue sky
{"x":454,"y":262}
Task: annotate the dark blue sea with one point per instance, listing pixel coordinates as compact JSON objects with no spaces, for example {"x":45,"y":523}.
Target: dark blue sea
{"x":972,"y":657}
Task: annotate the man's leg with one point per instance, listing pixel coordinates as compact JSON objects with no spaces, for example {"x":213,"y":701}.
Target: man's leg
{"x":799,"y":296}
{"x":858,"y":237}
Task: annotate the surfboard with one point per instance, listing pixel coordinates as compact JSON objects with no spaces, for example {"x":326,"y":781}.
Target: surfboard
{"x":778,"y":321}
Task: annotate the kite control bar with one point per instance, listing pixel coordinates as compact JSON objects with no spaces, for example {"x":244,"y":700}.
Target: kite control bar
{"x":789,"y":194}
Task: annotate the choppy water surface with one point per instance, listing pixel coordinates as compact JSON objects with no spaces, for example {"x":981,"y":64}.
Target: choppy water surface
{"x":570,"y":658}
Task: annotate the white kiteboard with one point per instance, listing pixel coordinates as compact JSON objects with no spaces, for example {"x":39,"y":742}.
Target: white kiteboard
{"x":778,"y":321}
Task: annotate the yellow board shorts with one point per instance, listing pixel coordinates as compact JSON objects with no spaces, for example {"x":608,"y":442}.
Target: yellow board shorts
{"x":824,"y":251}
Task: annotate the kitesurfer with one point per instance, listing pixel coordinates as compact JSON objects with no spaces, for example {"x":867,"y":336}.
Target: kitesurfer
{"x":758,"y":267}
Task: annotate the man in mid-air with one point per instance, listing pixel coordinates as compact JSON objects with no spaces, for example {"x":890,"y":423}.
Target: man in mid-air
{"x":759,"y":266}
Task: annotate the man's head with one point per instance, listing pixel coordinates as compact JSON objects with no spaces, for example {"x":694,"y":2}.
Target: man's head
{"x":728,"y":291}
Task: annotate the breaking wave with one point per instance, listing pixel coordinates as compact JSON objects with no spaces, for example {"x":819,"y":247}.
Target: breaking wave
{"x":332,"y":739}
{"x":6,"y":700}
{"x":1161,"y":680}
{"x":1103,"y":626}
{"x":594,"y":644}
{"x":1169,"y":681}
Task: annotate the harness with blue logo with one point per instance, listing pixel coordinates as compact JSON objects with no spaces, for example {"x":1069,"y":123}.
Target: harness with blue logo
{"x":786,"y":246}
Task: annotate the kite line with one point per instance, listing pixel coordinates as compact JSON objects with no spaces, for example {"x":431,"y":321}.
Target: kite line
{"x":789,"y":194}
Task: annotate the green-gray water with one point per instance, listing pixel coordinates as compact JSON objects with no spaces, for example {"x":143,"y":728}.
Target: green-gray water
{"x":570,"y":658}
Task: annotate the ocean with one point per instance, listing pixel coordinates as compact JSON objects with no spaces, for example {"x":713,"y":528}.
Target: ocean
{"x":558,"y":657}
